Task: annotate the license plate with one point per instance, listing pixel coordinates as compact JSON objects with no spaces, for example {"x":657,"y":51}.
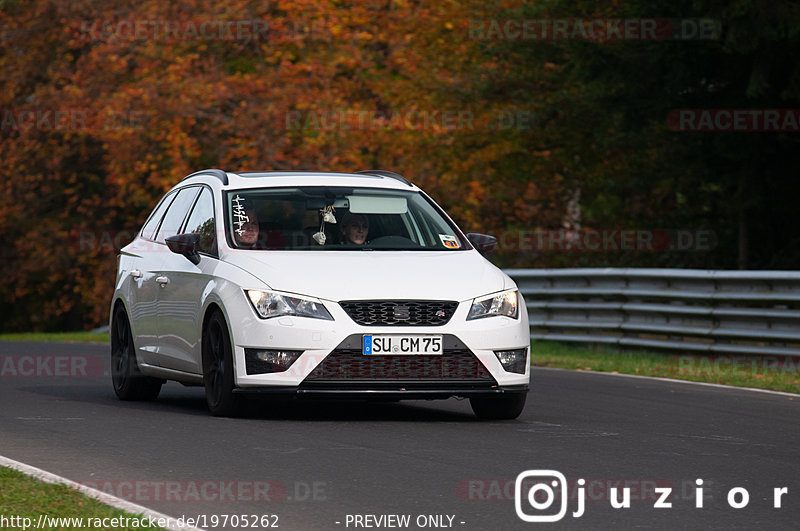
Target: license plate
{"x":411,"y":345}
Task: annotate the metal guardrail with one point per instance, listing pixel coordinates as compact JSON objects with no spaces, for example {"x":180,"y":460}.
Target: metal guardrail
{"x":719,"y":312}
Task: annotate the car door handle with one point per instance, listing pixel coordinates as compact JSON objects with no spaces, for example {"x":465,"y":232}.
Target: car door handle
{"x":136,"y":273}
{"x":162,"y":280}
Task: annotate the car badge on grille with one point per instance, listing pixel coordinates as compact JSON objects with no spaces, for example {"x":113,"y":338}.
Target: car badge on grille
{"x":402,"y":312}
{"x":440,"y":313}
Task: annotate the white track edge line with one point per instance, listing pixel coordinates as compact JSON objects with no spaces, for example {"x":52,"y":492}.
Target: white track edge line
{"x":104,"y":497}
{"x":674,"y":380}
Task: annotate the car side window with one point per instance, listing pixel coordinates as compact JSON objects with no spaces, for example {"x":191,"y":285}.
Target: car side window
{"x":176,"y":213}
{"x":201,"y":221}
{"x":149,"y":229}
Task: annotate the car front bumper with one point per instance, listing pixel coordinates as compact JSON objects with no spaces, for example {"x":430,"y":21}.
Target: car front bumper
{"x":332,"y":364}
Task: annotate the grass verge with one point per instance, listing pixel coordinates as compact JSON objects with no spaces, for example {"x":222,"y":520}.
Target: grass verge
{"x":70,"y":337}
{"x":763,"y":372}
{"x":22,"y":497}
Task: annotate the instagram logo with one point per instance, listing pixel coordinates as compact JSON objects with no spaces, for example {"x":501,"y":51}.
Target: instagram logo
{"x":541,"y":487}
{"x":537,"y":491}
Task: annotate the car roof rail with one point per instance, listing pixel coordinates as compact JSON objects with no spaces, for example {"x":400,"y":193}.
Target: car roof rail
{"x":219,"y":174}
{"x":387,"y":173}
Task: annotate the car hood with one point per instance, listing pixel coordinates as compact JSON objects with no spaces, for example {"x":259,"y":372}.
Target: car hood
{"x":345,"y":275}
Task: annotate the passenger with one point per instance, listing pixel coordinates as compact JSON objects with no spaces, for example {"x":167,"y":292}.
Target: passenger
{"x":355,"y":228}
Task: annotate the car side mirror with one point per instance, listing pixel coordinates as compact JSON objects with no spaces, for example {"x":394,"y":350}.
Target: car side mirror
{"x":483,"y":242}
{"x":185,"y":244}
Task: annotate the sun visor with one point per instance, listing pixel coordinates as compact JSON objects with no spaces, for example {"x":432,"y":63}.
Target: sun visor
{"x":373,"y":204}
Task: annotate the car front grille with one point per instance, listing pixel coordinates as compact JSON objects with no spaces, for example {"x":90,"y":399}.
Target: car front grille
{"x":400,"y":312}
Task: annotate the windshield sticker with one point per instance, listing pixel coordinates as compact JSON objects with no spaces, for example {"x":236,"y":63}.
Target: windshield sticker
{"x":451,"y":242}
{"x":239,"y":217}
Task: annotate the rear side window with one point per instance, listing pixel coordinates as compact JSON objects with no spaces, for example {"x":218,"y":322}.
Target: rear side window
{"x":149,"y":229}
{"x":201,"y":221}
{"x":176,"y":213}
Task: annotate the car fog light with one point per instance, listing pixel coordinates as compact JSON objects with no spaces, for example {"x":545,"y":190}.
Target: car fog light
{"x":513,"y":360}
{"x":259,"y":361}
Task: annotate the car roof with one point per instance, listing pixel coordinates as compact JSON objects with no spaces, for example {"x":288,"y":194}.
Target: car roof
{"x":272,"y":179}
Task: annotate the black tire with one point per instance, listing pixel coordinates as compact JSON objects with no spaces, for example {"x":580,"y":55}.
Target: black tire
{"x":129,"y":382}
{"x":218,"y":368}
{"x":498,"y":407}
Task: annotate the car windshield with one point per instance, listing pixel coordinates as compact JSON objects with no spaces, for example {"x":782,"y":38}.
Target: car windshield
{"x":336,"y":218}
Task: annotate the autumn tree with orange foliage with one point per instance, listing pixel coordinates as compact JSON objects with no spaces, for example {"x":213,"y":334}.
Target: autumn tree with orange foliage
{"x":105,"y":110}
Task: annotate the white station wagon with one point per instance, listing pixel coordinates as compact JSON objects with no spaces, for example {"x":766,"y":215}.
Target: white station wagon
{"x":313,"y":284}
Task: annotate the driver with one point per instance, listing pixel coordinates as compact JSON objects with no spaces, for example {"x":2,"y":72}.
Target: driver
{"x":355,"y":228}
{"x":248,"y":238}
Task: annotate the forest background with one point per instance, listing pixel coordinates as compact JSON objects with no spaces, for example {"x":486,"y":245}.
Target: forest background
{"x":580,"y":133}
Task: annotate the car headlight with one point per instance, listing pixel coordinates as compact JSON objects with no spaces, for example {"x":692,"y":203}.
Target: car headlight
{"x":502,"y":304}
{"x":269,"y":304}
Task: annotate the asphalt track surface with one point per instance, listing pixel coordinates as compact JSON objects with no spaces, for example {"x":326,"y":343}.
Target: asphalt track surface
{"x":312,"y":464}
